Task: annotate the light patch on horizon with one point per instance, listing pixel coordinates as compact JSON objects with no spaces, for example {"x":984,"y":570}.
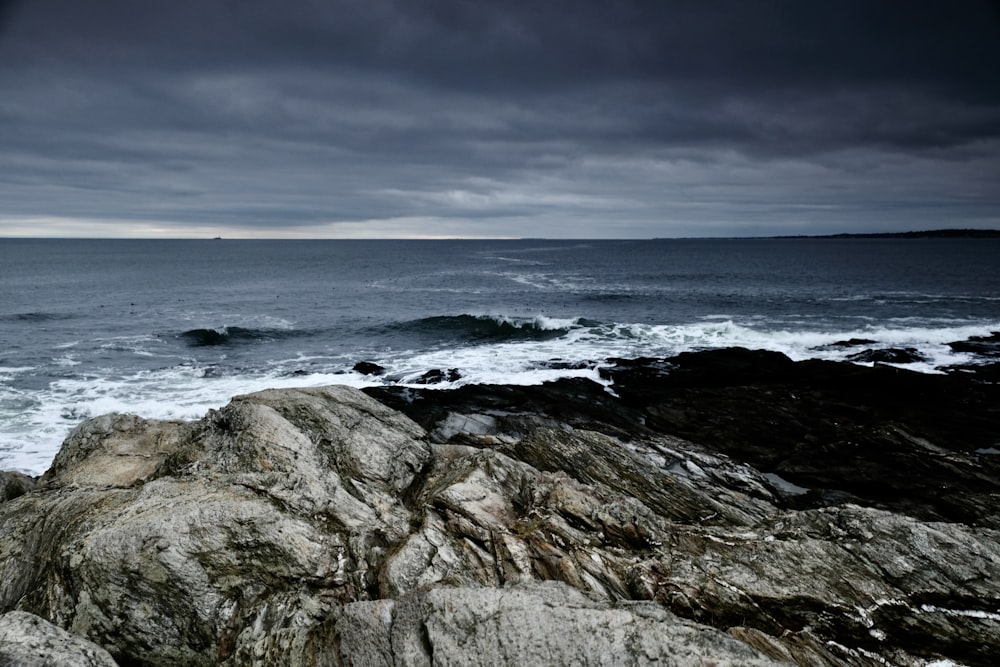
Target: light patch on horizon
{"x":415,"y":228}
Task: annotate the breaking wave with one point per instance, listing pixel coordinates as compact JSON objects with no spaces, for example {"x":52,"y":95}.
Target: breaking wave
{"x":233,"y":336}
{"x":491,"y":328}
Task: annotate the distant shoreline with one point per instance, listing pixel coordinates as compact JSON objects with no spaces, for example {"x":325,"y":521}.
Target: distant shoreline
{"x":928,"y":234}
{"x":925,"y":234}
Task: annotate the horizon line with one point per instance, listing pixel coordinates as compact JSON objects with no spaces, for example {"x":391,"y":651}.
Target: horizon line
{"x":937,"y":232}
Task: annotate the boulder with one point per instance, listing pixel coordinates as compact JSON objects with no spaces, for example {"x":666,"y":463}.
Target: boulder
{"x":368,"y":368}
{"x":29,"y":641}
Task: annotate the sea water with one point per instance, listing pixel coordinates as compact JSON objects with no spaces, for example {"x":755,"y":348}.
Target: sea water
{"x":171,"y":329}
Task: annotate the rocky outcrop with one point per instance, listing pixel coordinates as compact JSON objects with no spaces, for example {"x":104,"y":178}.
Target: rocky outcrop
{"x":883,"y":437}
{"x":678,"y":520}
{"x":888,"y":355}
{"x":986,"y":346}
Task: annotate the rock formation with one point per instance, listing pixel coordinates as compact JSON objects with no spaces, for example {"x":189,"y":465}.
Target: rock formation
{"x":29,"y":641}
{"x":719,"y":508}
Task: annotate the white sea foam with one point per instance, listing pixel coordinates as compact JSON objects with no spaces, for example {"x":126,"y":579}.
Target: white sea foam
{"x":143,"y":345}
{"x":541,"y":322}
{"x":32,"y":434}
{"x":211,"y":319}
{"x":35,"y":422}
{"x":668,"y":340}
{"x":7,"y":372}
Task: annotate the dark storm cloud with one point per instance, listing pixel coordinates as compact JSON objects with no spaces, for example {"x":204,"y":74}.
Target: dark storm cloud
{"x":520,"y":118}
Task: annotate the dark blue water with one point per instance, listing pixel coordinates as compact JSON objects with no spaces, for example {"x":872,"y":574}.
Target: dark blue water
{"x":172,"y":328}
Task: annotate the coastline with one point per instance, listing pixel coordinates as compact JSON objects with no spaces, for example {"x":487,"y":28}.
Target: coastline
{"x":721,"y":496}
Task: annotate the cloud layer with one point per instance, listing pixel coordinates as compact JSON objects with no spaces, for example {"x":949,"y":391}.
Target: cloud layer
{"x":316,"y":118}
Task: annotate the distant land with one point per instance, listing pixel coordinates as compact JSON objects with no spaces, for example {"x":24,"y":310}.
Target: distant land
{"x":926,"y":234}
{"x":929,"y":234}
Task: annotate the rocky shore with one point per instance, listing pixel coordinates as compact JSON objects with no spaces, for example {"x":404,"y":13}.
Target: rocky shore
{"x":724,"y":507}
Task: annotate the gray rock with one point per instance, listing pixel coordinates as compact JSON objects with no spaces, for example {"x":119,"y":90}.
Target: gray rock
{"x":115,"y":450}
{"x":245,"y":528}
{"x":29,"y":641}
{"x":543,"y":623}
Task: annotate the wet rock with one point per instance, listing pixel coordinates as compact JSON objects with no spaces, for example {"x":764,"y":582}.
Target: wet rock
{"x":651,"y":379}
{"x":212,"y":371}
{"x":436,"y":376}
{"x":986,"y":346}
{"x":883,"y":436}
{"x":518,"y":410}
{"x":368,"y":368}
{"x":29,"y":641}
{"x":560,"y":364}
{"x":850,"y":342}
{"x":888,"y":355}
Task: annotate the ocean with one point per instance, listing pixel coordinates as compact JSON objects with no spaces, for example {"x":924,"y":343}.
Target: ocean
{"x":172,"y":328}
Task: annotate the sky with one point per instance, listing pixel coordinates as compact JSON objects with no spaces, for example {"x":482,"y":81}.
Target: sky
{"x":506,"y":118}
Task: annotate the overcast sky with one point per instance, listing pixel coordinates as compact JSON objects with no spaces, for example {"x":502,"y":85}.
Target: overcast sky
{"x":508,"y":118}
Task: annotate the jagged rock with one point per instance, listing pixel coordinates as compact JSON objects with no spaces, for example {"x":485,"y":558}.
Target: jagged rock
{"x":699,"y":515}
{"x":889,"y":355}
{"x":29,"y":641}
